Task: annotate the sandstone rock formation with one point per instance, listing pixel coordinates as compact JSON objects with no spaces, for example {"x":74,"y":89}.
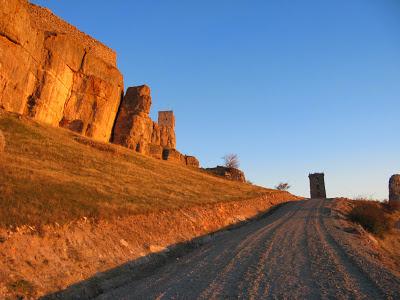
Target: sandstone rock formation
{"x":228,"y":173}
{"x":166,"y":122}
{"x":192,"y":161}
{"x":56,"y":74}
{"x":134,"y":128}
{"x":394,"y":191}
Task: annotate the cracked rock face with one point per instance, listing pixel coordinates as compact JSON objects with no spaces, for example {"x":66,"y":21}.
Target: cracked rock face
{"x":56,"y":74}
{"x":135,"y":129}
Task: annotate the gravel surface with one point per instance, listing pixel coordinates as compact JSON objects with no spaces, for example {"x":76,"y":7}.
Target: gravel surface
{"x":298,"y":252}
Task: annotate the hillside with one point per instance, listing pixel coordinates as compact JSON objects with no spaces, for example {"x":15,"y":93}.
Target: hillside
{"x":50,"y":175}
{"x":82,"y":207}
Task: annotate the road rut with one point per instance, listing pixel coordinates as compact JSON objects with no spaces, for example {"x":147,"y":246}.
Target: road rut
{"x":294,"y":253}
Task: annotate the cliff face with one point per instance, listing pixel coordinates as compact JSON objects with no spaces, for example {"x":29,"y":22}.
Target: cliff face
{"x":134,"y":128}
{"x":56,"y":74}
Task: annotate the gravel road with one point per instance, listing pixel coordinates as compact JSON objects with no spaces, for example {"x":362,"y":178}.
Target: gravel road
{"x":298,"y":252}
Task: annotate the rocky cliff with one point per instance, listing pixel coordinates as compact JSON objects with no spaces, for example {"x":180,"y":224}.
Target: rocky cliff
{"x":56,"y":74}
{"x":134,"y":128}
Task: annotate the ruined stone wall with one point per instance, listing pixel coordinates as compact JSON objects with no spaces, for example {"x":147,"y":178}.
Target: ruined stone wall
{"x":166,"y":122}
{"x":166,"y":118}
{"x":317,"y":185}
{"x":134,"y":128}
{"x":44,"y":20}
{"x":56,"y":74}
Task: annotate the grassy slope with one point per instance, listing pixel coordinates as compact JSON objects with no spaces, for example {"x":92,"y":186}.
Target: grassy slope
{"x":52,"y":175}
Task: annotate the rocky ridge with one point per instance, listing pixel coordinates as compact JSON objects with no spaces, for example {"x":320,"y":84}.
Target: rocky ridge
{"x":227,"y":173}
{"x":56,"y":74}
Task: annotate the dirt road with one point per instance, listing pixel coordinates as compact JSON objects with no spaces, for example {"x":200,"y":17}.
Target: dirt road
{"x":298,"y":252}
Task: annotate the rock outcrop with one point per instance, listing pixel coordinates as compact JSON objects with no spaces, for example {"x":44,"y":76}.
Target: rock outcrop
{"x":227,"y":173}
{"x":136,"y":130}
{"x":133,"y":127}
{"x":166,"y":123}
{"x":56,"y":74}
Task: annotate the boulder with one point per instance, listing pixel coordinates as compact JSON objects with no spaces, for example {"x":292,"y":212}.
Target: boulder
{"x":227,"y":173}
{"x":173,"y":155}
{"x":133,"y":127}
{"x":192,"y":161}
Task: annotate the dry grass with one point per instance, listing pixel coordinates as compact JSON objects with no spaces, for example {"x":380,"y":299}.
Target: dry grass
{"x":50,"y":175}
{"x":373,"y":216}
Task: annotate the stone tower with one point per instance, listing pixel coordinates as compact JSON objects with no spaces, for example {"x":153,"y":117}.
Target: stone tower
{"x":394,"y":191}
{"x":166,"y":118}
{"x":166,"y":122}
{"x":317,"y":185}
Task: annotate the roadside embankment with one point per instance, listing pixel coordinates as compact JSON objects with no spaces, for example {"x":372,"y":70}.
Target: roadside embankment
{"x":35,"y":263}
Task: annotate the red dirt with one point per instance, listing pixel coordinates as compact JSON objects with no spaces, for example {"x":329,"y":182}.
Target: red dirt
{"x":56,"y":257}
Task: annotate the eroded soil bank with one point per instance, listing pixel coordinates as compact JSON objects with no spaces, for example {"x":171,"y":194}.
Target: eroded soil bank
{"x":35,"y":263}
{"x":303,"y":250}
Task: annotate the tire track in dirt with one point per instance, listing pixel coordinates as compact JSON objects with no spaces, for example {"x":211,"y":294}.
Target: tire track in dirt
{"x":291,"y":253}
{"x":376,"y":280}
{"x":364,"y":285}
{"x":252,"y":253}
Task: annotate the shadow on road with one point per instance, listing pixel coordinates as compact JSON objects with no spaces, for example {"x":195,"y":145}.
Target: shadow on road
{"x":145,"y":266}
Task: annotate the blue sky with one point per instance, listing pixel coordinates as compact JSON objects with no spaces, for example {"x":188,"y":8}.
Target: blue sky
{"x":292,"y":87}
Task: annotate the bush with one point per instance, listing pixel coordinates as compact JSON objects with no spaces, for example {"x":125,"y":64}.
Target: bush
{"x":283,"y":186}
{"x":231,"y":161}
{"x":372,"y":217}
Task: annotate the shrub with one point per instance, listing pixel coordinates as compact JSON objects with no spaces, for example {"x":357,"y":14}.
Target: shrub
{"x":371,"y":216}
{"x":283,"y":186}
{"x":22,"y":288}
{"x":231,"y":161}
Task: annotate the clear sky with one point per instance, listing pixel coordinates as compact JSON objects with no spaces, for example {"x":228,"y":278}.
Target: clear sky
{"x":292,"y":87}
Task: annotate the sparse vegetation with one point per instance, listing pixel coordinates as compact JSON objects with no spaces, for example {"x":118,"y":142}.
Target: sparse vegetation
{"x":231,"y":161}
{"x":371,"y":216}
{"x":50,"y":175}
{"x":22,"y":288}
{"x":283,"y":186}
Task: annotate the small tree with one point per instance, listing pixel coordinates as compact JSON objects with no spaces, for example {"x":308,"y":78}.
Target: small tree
{"x":231,"y":161}
{"x":283,"y":186}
